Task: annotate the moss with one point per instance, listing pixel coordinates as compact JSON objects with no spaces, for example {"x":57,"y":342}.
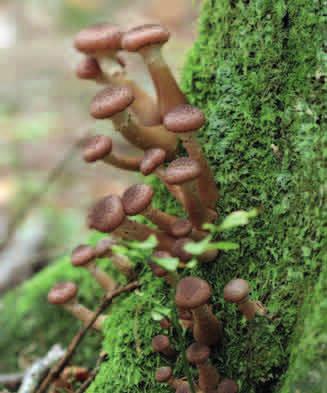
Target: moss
{"x":257,"y":71}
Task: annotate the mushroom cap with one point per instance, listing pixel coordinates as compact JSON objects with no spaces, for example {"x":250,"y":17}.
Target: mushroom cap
{"x":97,"y":147}
{"x":227,"y":386}
{"x":160,"y":343}
{"x":137,"y":198}
{"x":156,"y":269}
{"x":181,"y":227}
{"x":62,"y":293}
{"x":163,"y":374}
{"x":141,"y":36}
{"x":104,"y":246}
{"x":165,"y":323}
{"x":99,"y":37}
{"x":184,"y":118}
{"x":197,"y":353}
{"x":192,"y":292}
{"x":82,"y":255}
{"x":179,"y":251}
{"x":152,"y":159}
{"x":107,"y":214}
{"x":182,"y":170}
{"x":88,"y":68}
{"x":111,"y":101}
{"x":236,"y":291}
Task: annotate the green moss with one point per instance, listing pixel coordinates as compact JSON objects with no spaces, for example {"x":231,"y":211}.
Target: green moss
{"x":257,"y":71}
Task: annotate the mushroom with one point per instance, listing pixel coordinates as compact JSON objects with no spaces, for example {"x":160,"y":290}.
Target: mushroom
{"x":84,"y":256}
{"x":165,"y":323}
{"x":170,"y":277}
{"x":88,"y":68}
{"x":152,"y":162}
{"x":183,"y":228}
{"x":237,"y":291}
{"x":147,"y":40}
{"x":137,"y":200}
{"x":185,"y":120}
{"x":209,"y":377}
{"x":185,"y":318}
{"x":165,"y":375}
{"x":185,"y":172}
{"x":100,"y":147}
{"x":121,"y":262}
{"x":113,"y":103}
{"x":193,"y":293}
{"x":227,"y":386}
{"x":108,"y":216}
{"x":65,"y":295}
{"x":179,"y":251}
{"x":161,"y":344}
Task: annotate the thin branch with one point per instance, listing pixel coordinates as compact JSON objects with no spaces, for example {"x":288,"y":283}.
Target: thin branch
{"x":57,"y":369}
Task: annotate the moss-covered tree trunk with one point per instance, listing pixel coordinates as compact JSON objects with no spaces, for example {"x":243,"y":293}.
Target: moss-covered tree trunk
{"x":257,"y":70}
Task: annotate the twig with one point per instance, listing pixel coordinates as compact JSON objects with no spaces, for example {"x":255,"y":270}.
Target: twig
{"x":103,"y":356}
{"x":56,"y":370}
{"x":36,"y":197}
{"x":34,"y":374}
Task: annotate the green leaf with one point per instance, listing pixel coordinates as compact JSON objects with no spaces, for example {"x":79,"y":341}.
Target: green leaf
{"x":198,"y":248}
{"x":224,"y":246}
{"x":169,"y":264}
{"x":149,"y":244}
{"x":237,"y":218}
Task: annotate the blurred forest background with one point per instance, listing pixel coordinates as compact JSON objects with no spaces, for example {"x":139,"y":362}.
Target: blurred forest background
{"x":45,"y":187}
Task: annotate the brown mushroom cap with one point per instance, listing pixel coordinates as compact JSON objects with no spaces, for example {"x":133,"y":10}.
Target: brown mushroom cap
{"x":181,"y":227}
{"x":184,"y":118}
{"x":111,"y":101}
{"x":152,"y":159}
{"x":163,"y":374}
{"x":156,"y":269}
{"x":227,"y":386}
{"x":99,"y":37}
{"x":160,"y":343}
{"x":104,"y":246}
{"x":197,"y":353}
{"x":107,"y":214}
{"x":82,"y":255}
{"x":137,"y":198}
{"x":182,"y":170}
{"x":236,"y":291}
{"x":88,"y":68}
{"x":62,"y":293}
{"x":97,"y":147}
{"x":145,"y":35}
{"x":192,"y":292}
{"x":179,"y":251}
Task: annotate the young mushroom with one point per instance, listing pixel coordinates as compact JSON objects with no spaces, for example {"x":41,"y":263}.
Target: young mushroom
{"x":161,"y":344}
{"x":227,"y":386}
{"x":88,"y":68}
{"x":108,"y":216}
{"x":113,"y":103}
{"x":165,"y":375}
{"x":185,"y":120}
{"x":237,"y":291}
{"x":137,"y":200}
{"x":121,"y":262}
{"x":179,"y":251}
{"x":198,"y":354}
{"x":147,"y":40}
{"x":84,"y":256}
{"x":153,"y":163}
{"x":184,"y":228}
{"x":185,"y":173}
{"x":65,"y":294}
{"x":193,"y":293}
{"x":100,"y":147}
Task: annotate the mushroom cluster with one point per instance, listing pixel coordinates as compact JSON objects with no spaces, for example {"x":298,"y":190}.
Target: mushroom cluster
{"x":155,"y":127}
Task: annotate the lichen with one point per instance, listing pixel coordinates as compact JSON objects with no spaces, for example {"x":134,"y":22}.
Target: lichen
{"x":257,"y":72}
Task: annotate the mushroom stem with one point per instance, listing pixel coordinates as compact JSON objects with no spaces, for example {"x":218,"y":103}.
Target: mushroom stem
{"x":207,"y":186}
{"x":122,"y":162}
{"x":144,"y":137}
{"x":250,"y":308}
{"x":168,"y":92}
{"x":161,"y":219}
{"x":176,"y":191}
{"x":84,"y":314}
{"x":207,"y":328}
{"x":104,"y":280}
